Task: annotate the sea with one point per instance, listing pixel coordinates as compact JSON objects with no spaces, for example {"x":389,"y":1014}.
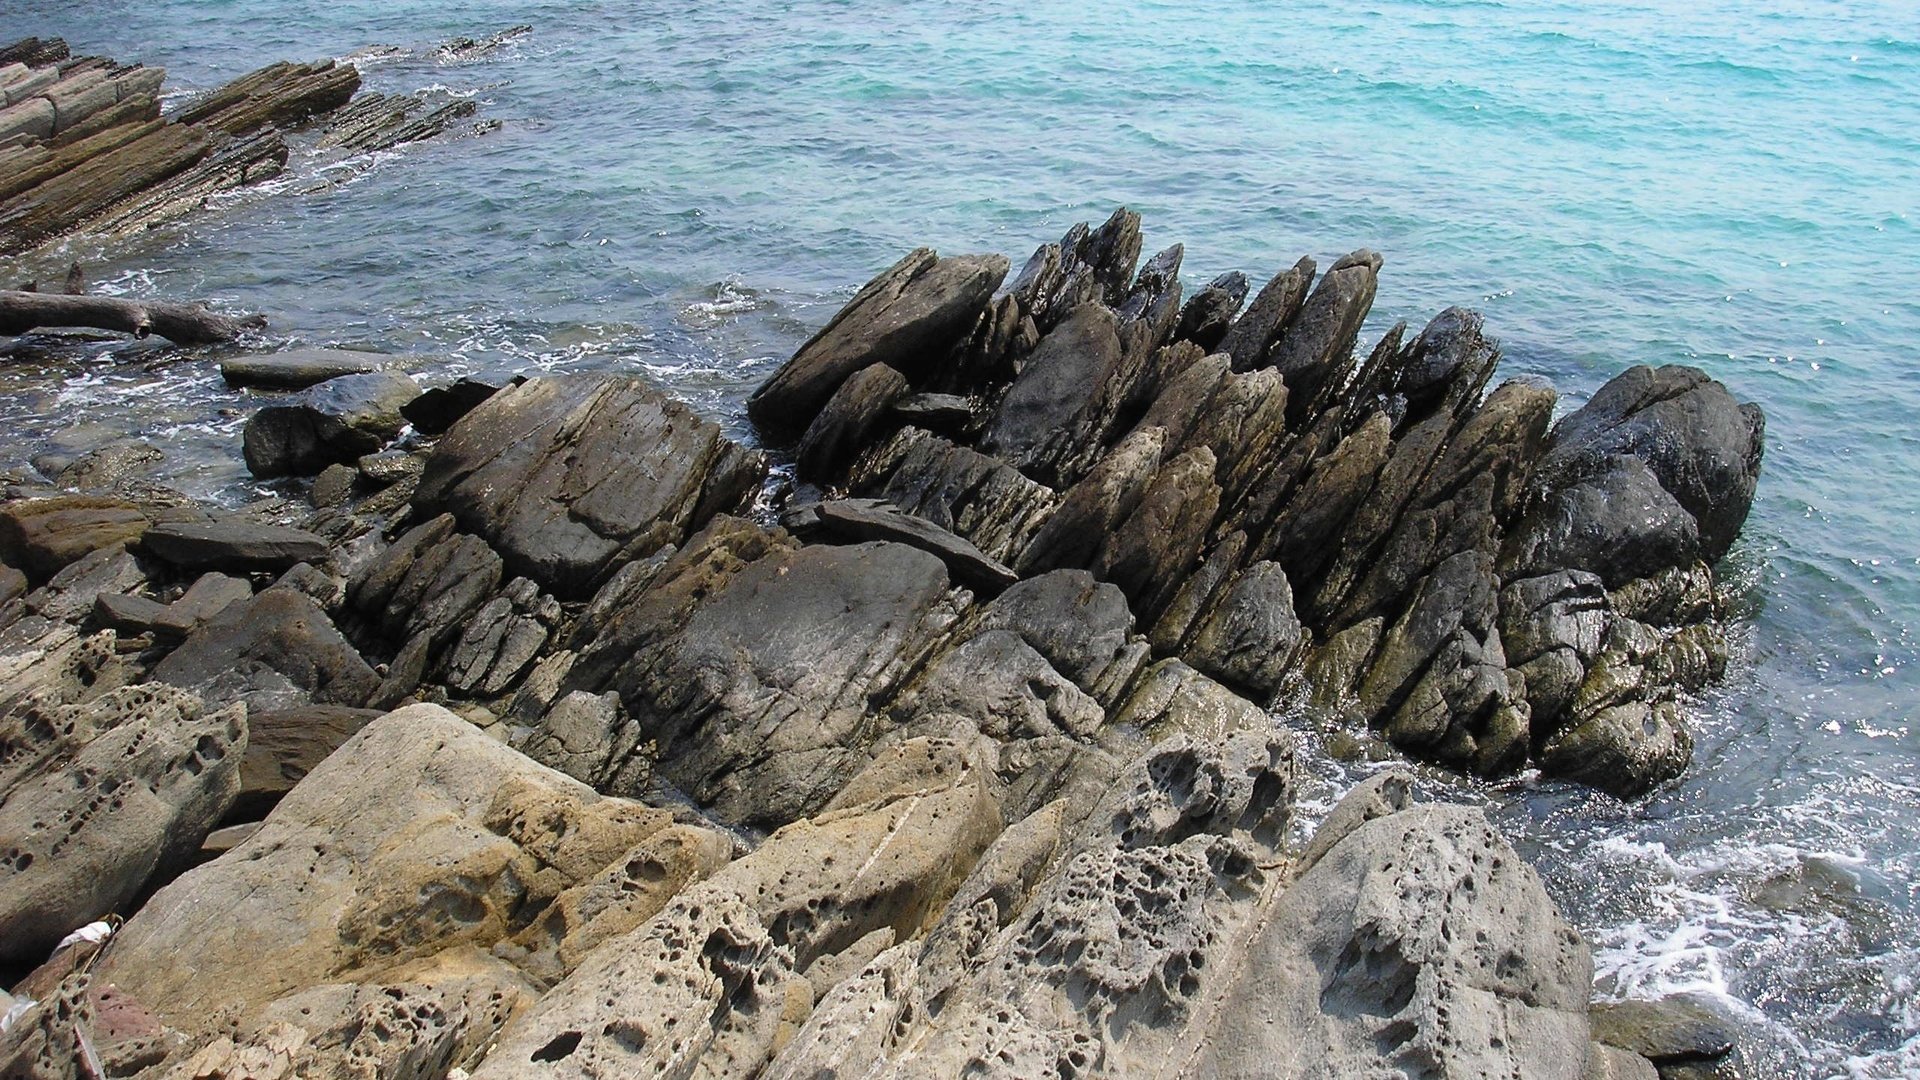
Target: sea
{"x":689,"y":190}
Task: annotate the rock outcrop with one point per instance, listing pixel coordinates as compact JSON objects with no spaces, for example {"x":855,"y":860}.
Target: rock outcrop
{"x":1377,"y":533}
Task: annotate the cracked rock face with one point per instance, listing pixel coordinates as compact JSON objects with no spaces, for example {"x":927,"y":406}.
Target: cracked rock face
{"x":1292,"y":516}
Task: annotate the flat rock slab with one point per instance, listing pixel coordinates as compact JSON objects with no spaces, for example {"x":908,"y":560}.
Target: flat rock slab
{"x":859,"y":520}
{"x":233,"y":546}
{"x":297,"y":369}
{"x":1671,"y":1031}
{"x":568,"y":477}
{"x":42,"y":536}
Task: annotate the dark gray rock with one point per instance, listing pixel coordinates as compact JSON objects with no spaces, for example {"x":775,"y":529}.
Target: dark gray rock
{"x":334,"y":422}
{"x":934,"y":412}
{"x":1052,"y":410}
{"x":1081,"y":625}
{"x":845,"y":425}
{"x":1620,"y":524}
{"x":499,"y":642}
{"x":127,"y":613}
{"x":1315,"y":352}
{"x":907,"y":317}
{"x":277,"y":650}
{"x":1704,"y":447}
{"x":208,"y":596}
{"x":297,"y":369}
{"x":983,"y":499}
{"x":233,"y":545}
{"x":752,"y":663}
{"x":860,"y":520}
{"x":439,"y":408}
{"x":1671,"y":1031}
{"x":1249,"y":639}
{"x":1252,"y":335}
{"x":568,"y":477}
{"x":1209,"y":313}
{"x":1093,"y":508}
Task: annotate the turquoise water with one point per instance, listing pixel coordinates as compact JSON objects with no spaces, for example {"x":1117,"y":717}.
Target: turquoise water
{"x":692,"y":190}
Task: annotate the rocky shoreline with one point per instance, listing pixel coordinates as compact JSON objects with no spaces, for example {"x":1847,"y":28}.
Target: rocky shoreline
{"x":563,"y":738}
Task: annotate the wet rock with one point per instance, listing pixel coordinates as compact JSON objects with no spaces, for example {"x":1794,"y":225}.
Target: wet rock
{"x":100,"y":798}
{"x":335,"y":422}
{"x":860,"y":520}
{"x":13,"y":584}
{"x":280,"y":95}
{"x":297,"y":369}
{"x":1704,"y":447}
{"x":277,"y":650}
{"x":1623,"y":749}
{"x":1316,"y":350}
{"x":390,"y":467}
{"x":233,"y":545}
{"x":1619,"y":523}
{"x":568,"y":477}
{"x":902,"y":318}
{"x":418,"y":837}
{"x":1671,"y":1031}
{"x":436,"y":410}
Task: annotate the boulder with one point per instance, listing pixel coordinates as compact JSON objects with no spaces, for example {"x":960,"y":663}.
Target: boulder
{"x":233,"y":545}
{"x":756,"y":677}
{"x":99,"y":799}
{"x":1420,"y":941}
{"x":335,"y":422}
{"x":906,"y":318}
{"x":1702,"y":445}
{"x":277,"y":650}
{"x":1619,"y":523}
{"x":1252,"y":335}
{"x":1208,"y":313}
{"x":419,"y":837}
{"x":844,"y":426}
{"x":1250,"y":637}
{"x":568,"y":477}
{"x":977,"y":497}
{"x":42,"y":536}
{"x":297,"y":369}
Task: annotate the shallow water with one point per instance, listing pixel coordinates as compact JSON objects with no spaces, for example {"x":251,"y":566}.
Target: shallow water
{"x":688,"y":192}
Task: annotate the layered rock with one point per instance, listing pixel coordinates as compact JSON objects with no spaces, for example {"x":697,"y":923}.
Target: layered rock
{"x":83,"y":145}
{"x":1378,"y":533}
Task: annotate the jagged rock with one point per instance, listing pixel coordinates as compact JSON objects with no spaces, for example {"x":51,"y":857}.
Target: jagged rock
{"x":1093,"y":509}
{"x":127,"y":613}
{"x":843,"y":426}
{"x":81,"y":1029}
{"x":934,"y":412}
{"x":277,"y":650}
{"x":234,"y":545}
{"x":754,"y":676}
{"x":335,"y":422}
{"x":902,"y":318}
{"x":438,"y":409}
{"x":1080,"y":625}
{"x":1315,"y":352}
{"x":1623,"y":749}
{"x":977,"y":497}
{"x":1159,"y":543}
{"x":590,"y":738}
{"x":297,"y":369}
{"x":389,"y":467}
{"x":98,"y":799}
{"x":1171,"y":698}
{"x":43,"y":536}
{"x":418,"y":836}
{"x":1252,"y":335}
{"x":1703,"y":446}
{"x":501,"y":640}
{"x":1209,"y":313}
{"x":568,"y":477}
{"x":1250,"y":637}
{"x":283,"y":746}
{"x":860,"y":520}
{"x":1419,"y":941}
{"x":720,"y":975}
{"x":373,"y":122}
{"x":281,"y":95}
{"x":1052,"y":409}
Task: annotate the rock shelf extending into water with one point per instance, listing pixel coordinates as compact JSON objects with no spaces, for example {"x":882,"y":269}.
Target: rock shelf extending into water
{"x":84,"y":148}
{"x":571,"y":743}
